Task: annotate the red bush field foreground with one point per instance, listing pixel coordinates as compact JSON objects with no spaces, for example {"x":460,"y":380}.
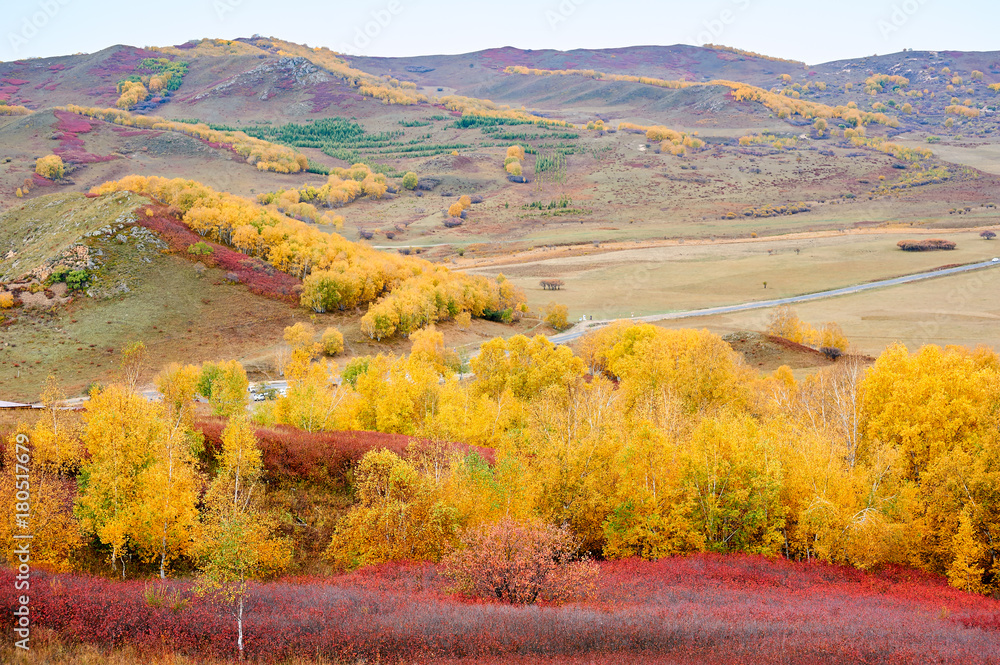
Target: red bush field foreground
{"x":704,"y":608}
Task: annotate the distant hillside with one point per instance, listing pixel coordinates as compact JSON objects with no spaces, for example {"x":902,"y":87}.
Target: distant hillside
{"x":254,"y":80}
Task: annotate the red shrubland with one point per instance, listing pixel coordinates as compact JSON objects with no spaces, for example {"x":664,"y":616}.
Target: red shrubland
{"x":703,"y":608}
{"x":258,"y":275}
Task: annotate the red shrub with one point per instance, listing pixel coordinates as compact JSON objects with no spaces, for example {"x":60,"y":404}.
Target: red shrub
{"x":324,"y":458}
{"x":71,"y":122}
{"x":705,"y":608}
{"x":70,"y":144}
{"x":521,"y":564}
{"x":259,"y":276}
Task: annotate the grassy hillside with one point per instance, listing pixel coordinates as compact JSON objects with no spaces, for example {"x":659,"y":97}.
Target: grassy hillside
{"x":38,"y":233}
{"x":592,"y":199}
{"x":134,"y":292}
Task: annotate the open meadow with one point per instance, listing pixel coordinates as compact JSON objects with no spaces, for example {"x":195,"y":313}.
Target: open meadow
{"x":621,"y":283}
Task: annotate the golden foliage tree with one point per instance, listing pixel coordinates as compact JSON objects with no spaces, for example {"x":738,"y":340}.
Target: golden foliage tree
{"x":226,"y":386}
{"x":237,"y":540}
{"x":398,"y":515}
{"x":332,"y":341}
{"x":42,"y":467}
{"x":120,"y":434}
{"x":50,"y":167}
{"x":170,"y":485}
{"x":556,"y":316}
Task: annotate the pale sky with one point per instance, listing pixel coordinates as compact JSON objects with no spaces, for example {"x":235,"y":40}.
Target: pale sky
{"x":798,"y":29}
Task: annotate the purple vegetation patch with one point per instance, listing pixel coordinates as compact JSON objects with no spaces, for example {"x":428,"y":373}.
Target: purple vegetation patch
{"x":330,"y":93}
{"x":118,"y":66}
{"x":125,"y":131}
{"x":72,"y":123}
{"x":70,"y":144}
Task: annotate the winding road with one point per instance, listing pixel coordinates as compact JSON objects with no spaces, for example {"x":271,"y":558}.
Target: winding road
{"x":583,"y":328}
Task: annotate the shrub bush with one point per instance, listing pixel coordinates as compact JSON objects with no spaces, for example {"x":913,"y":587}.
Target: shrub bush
{"x":925,"y":245}
{"x":50,"y":167}
{"x":323,"y":458}
{"x":260,"y":277}
{"x":831,"y":352}
{"x":520,"y":563}
{"x":333,"y":342}
{"x":701,"y":608}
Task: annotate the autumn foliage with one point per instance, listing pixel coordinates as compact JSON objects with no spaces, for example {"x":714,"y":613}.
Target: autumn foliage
{"x":12,"y":109}
{"x":783,"y":105}
{"x":703,"y":608}
{"x":323,"y":458}
{"x":925,"y":245}
{"x":258,"y":276}
{"x":50,"y":167}
{"x":786,"y":324}
{"x":651,"y":444}
{"x":264,"y":155}
{"x":403,"y":293}
{"x":520,"y":563}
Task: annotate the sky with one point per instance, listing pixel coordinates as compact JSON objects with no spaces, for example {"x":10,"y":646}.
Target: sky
{"x":800,"y":30}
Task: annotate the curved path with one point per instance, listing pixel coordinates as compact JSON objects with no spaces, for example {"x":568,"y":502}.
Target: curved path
{"x":581,"y":329}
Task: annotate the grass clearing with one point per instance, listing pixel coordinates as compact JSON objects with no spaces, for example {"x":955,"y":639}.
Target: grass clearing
{"x":44,"y":227}
{"x":957,"y":309}
{"x":692,"y":276}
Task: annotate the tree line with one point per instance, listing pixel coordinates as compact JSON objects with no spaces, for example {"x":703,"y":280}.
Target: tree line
{"x":402,"y":293}
{"x":649,"y":442}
